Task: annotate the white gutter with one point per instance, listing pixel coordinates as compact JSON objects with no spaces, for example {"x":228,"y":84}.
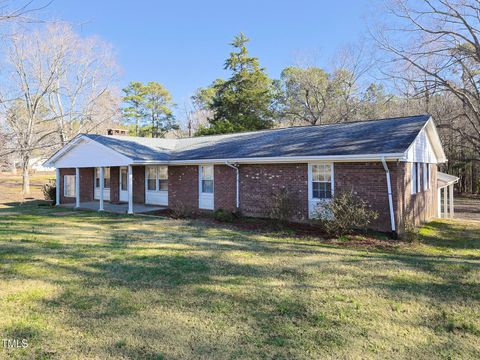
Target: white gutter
{"x":279,"y":159}
{"x":389,"y":191}
{"x":237,"y":182}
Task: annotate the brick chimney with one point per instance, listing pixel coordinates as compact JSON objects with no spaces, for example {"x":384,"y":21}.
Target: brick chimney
{"x":117,"y":132}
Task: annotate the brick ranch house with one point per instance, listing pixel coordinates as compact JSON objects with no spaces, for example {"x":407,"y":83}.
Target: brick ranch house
{"x":391,"y":163}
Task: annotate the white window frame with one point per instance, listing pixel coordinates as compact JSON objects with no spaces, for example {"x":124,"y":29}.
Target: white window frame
{"x":426,"y":176}
{"x":413,"y":177}
{"x":66,"y":186}
{"x":419,"y":178}
{"x":156,"y":196}
{"x":206,"y":200}
{"x":106,"y":170}
{"x":157,"y":171}
{"x":202,"y":178}
{"x":314,"y":202}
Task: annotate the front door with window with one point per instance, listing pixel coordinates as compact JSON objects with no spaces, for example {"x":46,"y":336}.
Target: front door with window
{"x":205,"y":184}
{"x":123,"y":181}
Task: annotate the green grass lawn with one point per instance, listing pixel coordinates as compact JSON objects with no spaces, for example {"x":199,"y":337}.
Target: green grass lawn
{"x":89,"y":285}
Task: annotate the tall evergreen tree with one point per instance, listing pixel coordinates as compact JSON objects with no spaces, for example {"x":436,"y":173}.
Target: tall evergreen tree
{"x":245,"y":101}
{"x":150,"y":107}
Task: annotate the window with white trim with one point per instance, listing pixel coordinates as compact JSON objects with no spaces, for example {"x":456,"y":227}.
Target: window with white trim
{"x":151,"y":178}
{"x":157,"y":178}
{"x":426,"y":176}
{"x":419,"y":178}
{"x":207,"y":178}
{"x":123,"y":179}
{"x":321,"y":181}
{"x":69,"y":186}
{"x":416,"y":176}
{"x":413,"y":177}
{"x":163,"y":178}
{"x":106,"y":178}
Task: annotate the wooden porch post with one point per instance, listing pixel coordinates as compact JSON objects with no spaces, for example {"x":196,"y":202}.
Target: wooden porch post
{"x":102,"y":181}
{"x":130,"y":190}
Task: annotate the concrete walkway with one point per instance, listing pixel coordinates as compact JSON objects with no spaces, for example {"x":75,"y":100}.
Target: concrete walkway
{"x":121,"y":208}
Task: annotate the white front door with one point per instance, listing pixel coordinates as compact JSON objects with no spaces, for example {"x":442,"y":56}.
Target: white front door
{"x":205,"y":187}
{"x":123,"y":181}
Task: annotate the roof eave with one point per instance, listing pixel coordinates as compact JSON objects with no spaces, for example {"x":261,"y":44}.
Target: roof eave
{"x":279,"y":159}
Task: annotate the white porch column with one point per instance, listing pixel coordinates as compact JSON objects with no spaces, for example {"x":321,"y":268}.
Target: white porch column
{"x":450,"y":190}
{"x":57,"y":184}
{"x":102,"y":183}
{"x":77,"y":187}
{"x":130,"y":190}
{"x":439,"y":203}
{"x":445,"y":202}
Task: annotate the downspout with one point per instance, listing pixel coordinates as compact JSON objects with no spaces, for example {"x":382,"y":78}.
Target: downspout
{"x":238,"y":182}
{"x":389,"y":191}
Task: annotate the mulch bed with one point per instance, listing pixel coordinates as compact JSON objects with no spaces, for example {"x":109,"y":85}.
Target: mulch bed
{"x":296,"y":230}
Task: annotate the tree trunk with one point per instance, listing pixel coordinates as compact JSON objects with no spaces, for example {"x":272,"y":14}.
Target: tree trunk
{"x":25,"y":176}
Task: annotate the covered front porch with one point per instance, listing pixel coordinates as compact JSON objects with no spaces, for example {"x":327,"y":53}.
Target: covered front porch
{"x":121,"y":208}
{"x":445,"y":183}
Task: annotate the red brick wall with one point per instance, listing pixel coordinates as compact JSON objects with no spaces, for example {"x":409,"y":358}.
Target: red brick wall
{"x":114,"y":175}
{"x":368,"y":181}
{"x":63,"y":199}
{"x":183,"y":187}
{"x":87,"y":178}
{"x":260,"y":183}
{"x":225,"y":188}
{"x":86,"y":185}
{"x":422,"y":206}
{"x":138,"y":173}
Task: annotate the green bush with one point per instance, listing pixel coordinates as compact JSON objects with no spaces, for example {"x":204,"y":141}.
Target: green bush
{"x":344,"y":214}
{"x":223,"y":215}
{"x":50,"y":192}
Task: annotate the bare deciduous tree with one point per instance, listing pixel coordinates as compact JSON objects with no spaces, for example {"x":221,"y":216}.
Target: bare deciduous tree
{"x":439,"y":40}
{"x":59,"y":85}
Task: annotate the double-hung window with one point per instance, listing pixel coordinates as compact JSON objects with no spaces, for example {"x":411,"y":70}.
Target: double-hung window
{"x":163,"y":178}
{"x":106,"y":178}
{"x":321,"y":181}
{"x":151,"y":178}
{"x":207,"y":179}
{"x":157,"y":178}
{"x":69,"y":186}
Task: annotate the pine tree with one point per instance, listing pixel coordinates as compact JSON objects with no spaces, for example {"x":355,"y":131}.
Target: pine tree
{"x":245,"y":101}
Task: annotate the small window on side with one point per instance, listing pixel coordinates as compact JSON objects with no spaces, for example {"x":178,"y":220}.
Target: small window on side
{"x":69,"y":186}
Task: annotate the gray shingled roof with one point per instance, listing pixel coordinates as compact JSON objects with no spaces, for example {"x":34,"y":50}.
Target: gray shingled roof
{"x":386,"y":136}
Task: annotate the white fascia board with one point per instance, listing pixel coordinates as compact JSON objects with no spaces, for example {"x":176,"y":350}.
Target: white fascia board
{"x":436,"y":142}
{"x":286,"y":159}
